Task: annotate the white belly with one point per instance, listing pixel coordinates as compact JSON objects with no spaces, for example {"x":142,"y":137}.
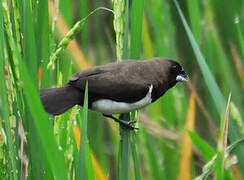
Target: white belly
{"x":108,"y":106}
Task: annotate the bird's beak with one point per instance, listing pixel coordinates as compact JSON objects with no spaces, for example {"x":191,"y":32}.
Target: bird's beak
{"x":182,"y":78}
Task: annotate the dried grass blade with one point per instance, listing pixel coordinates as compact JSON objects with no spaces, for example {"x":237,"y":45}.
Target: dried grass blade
{"x":186,"y":149}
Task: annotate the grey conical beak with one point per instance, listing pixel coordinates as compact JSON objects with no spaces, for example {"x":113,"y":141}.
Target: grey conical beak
{"x":182,"y":78}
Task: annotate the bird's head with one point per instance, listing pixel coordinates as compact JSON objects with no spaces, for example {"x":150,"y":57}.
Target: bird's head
{"x":173,"y":71}
{"x":177,"y":72}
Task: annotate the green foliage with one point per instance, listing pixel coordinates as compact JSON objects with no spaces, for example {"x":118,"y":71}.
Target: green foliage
{"x":35,"y":145}
{"x":5,"y":111}
{"x":137,"y":10}
{"x":84,"y":168}
{"x":206,"y":150}
{"x":70,"y":36}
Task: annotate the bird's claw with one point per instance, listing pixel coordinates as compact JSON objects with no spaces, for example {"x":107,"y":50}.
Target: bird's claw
{"x":128,"y":124}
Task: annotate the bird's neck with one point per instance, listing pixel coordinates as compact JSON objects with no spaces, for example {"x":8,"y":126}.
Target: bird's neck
{"x":161,"y":89}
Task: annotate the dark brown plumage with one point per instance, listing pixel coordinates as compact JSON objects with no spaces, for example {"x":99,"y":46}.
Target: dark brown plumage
{"x":123,"y":85}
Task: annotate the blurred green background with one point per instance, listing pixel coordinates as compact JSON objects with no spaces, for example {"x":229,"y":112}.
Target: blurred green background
{"x":179,"y":134}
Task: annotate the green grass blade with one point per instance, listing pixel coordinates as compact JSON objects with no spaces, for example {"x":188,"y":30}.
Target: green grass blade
{"x":195,"y":18}
{"x":125,"y":148}
{"x":137,"y":12}
{"x":219,"y":56}
{"x":212,"y":85}
{"x":17,"y":23}
{"x":236,"y":115}
{"x":83,"y":4}
{"x":136,"y":28}
{"x":44,"y":130}
{"x":135,"y":156}
{"x":29,"y":41}
{"x":81,"y":171}
{"x":30,"y":58}
{"x":208,"y":77}
{"x":163,"y":27}
{"x":151,"y":157}
{"x":55,"y":157}
{"x":169,"y":30}
{"x":90,"y":168}
{"x":157,"y":24}
{"x":66,"y":9}
{"x":43,"y":41}
{"x":209,"y":167}
{"x":240,"y":36}
{"x":147,"y":44}
{"x":222,"y":143}
{"x":206,"y":150}
{"x":121,"y":27}
{"x":126,"y":31}
{"x":4,"y":105}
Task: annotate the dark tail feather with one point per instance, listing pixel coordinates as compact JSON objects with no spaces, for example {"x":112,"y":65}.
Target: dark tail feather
{"x":58,"y":100}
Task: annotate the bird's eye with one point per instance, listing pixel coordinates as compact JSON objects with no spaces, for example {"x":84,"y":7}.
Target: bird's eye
{"x":175,"y":68}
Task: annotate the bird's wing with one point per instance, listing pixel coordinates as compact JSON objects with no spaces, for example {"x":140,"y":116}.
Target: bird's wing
{"x":112,"y":82}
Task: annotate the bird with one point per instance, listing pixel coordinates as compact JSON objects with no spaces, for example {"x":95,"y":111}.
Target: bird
{"x":116,"y":87}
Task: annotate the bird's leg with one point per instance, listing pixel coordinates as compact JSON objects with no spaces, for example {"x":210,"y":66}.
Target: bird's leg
{"x":127,"y":124}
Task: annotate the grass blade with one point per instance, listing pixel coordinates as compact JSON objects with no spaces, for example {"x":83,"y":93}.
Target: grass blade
{"x":211,"y":84}
{"x":235,"y":113}
{"x":121,"y":27}
{"x":30,"y":58}
{"x":54,"y":156}
{"x":43,"y":42}
{"x":83,"y":4}
{"x":136,"y":28}
{"x":208,"y":77}
{"x":126,"y":31}
{"x":163,"y":27}
{"x":135,"y":156}
{"x":146,"y":40}
{"x":137,"y":12}
{"x":222,"y":143}
{"x":206,"y":150}
{"x":17,"y":23}
{"x":29,"y":41}
{"x":97,"y":168}
{"x":240,"y":36}
{"x":195,"y":18}
{"x":43,"y":127}
{"x":125,"y":148}
{"x":157,"y":24}
{"x":209,"y":167}
{"x":65,"y":8}
{"x":238,"y":64}
{"x":186,"y":151}
{"x":152,"y":157}
{"x":4,"y":105}
{"x":82,"y":169}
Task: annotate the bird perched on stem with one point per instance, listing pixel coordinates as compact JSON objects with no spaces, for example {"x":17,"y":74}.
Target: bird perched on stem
{"x":118,"y":87}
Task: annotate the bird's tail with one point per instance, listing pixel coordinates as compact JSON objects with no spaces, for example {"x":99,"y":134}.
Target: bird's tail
{"x":58,"y":100}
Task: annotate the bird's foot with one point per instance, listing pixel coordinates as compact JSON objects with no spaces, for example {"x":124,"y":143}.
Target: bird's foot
{"x":126,"y":124}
